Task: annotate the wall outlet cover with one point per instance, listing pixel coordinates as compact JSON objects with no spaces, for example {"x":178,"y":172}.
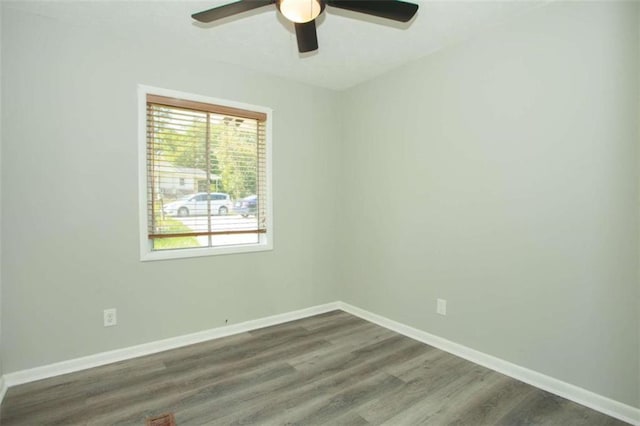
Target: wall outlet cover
{"x":110,"y":317}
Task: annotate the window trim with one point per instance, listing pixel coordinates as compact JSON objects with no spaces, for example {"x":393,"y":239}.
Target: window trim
{"x":146,"y":254}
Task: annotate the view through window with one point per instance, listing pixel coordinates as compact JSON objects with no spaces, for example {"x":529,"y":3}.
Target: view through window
{"x":206,"y":175}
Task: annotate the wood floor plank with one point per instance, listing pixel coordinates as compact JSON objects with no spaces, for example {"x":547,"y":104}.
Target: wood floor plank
{"x":540,"y":408}
{"x":317,"y":321}
{"x":493,"y":403}
{"x":434,"y":407}
{"x":421,"y":366}
{"x":415,"y":391}
{"x":366,"y":337}
{"x":151,"y":404}
{"x":343,"y":340}
{"x":350,"y":418}
{"x":208,"y":380}
{"x":314,"y":381}
{"x":206,"y":371}
{"x":331,"y":406}
{"x":333,"y":369}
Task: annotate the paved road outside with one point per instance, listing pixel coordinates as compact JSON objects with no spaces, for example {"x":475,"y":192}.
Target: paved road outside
{"x":222,"y":223}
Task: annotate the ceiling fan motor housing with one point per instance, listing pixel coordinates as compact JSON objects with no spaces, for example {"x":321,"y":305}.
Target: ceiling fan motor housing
{"x":300,"y":11}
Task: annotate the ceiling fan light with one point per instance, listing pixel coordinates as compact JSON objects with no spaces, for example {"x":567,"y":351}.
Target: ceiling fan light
{"x":300,"y":11}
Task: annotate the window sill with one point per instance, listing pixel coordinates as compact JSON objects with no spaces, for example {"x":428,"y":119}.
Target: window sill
{"x":200,"y":252}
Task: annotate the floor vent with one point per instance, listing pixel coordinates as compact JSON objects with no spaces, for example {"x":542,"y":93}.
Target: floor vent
{"x":163,"y":420}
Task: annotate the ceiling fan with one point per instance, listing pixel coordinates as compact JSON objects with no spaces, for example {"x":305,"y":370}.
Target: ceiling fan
{"x":304,"y":12}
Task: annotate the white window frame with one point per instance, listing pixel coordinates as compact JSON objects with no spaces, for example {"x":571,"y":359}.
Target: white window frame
{"x":265,"y":240}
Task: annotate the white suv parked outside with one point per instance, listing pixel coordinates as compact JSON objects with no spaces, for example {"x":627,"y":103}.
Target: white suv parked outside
{"x":196,"y":204}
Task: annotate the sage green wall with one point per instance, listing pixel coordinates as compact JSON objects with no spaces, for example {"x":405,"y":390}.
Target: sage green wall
{"x":638,"y":299}
{"x":501,"y":174}
{"x":1,"y":82}
{"x":70,"y":195}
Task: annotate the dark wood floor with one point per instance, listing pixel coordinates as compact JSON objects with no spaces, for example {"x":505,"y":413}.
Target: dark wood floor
{"x":328,"y":369}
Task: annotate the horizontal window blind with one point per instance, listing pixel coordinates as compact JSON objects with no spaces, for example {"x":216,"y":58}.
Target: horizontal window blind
{"x":206,"y":174}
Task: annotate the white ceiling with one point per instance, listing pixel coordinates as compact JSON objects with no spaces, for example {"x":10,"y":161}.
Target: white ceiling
{"x":353,"y":47}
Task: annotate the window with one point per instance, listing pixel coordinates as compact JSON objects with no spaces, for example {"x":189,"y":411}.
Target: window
{"x":200,"y":160}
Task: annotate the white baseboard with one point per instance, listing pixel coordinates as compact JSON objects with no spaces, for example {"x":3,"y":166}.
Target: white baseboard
{"x":3,"y":389}
{"x":566,"y":390}
{"x":571,"y":392}
{"x":78,"y":364}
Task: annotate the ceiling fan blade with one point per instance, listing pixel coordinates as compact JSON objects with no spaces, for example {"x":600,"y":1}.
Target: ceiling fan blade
{"x":230,"y":10}
{"x":390,"y":9}
{"x":307,"y":36}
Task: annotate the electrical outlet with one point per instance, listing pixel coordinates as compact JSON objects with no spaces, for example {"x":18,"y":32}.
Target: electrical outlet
{"x":441,"y":307}
{"x":110,"y":317}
